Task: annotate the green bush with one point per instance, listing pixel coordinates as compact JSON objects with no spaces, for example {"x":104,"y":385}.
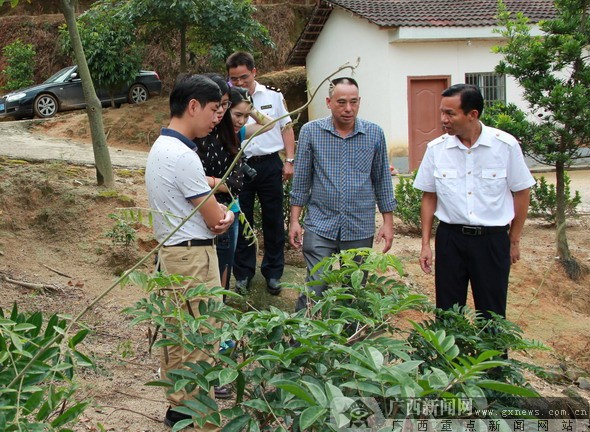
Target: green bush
{"x":36,"y":370}
{"x":122,"y":233}
{"x":294,"y":371}
{"x":20,"y":58}
{"x":544,"y":202}
{"x":409,"y":201}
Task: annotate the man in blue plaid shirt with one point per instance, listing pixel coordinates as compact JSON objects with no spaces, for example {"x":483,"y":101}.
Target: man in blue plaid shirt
{"x":341,"y":171}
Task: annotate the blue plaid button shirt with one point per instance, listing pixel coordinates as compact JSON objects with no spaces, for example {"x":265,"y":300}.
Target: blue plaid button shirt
{"x":340,"y":179}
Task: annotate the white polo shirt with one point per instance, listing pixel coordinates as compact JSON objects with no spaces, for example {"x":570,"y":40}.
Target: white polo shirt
{"x":173,"y":175}
{"x":271,"y":102}
{"x":474,"y":185}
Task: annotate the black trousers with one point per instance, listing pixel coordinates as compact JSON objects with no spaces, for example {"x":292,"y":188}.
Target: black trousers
{"x":482,"y":260}
{"x":268,"y":186}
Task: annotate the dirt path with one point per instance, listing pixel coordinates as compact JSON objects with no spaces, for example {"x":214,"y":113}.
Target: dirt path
{"x":17,"y":142}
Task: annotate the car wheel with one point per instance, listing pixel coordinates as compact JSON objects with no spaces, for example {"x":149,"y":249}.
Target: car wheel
{"x":137,"y":94}
{"x":45,"y":106}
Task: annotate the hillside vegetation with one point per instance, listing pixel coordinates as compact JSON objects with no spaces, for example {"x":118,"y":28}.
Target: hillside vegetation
{"x":37,"y":23}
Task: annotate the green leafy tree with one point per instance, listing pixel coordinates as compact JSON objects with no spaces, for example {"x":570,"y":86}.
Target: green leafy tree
{"x":554,"y":74}
{"x":102,"y":158}
{"x":114,"y":56}
{"x":226,"y":26}
{"x":214,"y":28}
{"x":21,"y":64}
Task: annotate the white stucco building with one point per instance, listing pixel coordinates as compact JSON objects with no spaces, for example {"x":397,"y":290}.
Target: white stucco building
{"x":409,"y":51}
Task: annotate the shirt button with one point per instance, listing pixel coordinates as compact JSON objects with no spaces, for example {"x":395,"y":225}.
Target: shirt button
{"x":493,"y":175}
{"x":468,"y":172}
{"x":444,"y":175}
{"x":468,"y":151}
{"x":468,"y":193}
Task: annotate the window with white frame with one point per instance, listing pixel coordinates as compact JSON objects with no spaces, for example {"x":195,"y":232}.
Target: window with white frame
{"x":492,"y":86}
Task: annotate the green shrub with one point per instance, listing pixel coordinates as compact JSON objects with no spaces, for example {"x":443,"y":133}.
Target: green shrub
{"x":122,"y":233}
{"x":36,"y":370}
{"x":293,"y":371}
{"x":20,"y":58}
{"x":544,"y":202}
{"x":409,"y":201}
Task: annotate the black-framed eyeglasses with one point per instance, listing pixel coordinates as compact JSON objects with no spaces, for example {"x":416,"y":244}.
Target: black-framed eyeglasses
{"x":225,"y":105}
{"x":240,"y":78}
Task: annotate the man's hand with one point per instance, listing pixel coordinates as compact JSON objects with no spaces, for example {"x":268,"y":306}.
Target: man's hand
{"x":426,"y":259}
{"x":287,"y":171}
{"x":514,"y":252}
{"x":385,"y":233}
{"x":224,"y":223}
{"x":295,"y":235}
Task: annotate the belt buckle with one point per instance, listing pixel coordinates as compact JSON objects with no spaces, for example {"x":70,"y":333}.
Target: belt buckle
{"x":471,"y":230}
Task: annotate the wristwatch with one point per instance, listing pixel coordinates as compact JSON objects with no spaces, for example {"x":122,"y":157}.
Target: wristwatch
{"x":290,"y":160}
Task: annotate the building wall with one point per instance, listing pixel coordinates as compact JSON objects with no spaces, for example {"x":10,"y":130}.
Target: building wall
{"x":387,"y":59}
{"x":450,"y":58}
{"x":344,"y":39}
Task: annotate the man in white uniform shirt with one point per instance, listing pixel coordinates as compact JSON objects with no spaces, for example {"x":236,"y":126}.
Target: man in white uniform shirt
{"x":262,"y":154}
{"x":176,"y":184}
{"x":475,"y":181}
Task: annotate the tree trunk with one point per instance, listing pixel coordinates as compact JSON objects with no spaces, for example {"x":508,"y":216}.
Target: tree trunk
{"x":102,"y":158}
{"x":183,"y":68}
{"x":569,"y":263}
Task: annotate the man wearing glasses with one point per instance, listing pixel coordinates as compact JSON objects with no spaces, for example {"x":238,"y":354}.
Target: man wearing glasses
{"x":262,"y":154}
{"x":341,"y":172}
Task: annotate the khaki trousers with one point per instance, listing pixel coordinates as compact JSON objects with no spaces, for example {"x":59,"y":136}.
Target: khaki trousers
{"x":199,"y":262}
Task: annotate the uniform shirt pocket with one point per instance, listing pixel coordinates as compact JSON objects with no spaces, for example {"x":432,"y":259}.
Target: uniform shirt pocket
{"x":493,"y":181}
{"x":445,"y":180}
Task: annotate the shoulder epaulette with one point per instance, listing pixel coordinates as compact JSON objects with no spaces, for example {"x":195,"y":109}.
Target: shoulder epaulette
{"x":438,"y":140}
{"x":505,"y":137}
{"x":273,"y":88}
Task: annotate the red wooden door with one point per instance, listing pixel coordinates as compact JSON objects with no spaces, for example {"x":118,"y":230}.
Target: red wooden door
{"x":424,"y":96}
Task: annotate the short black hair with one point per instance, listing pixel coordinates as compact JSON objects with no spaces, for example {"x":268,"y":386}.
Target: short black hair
{"x":240,"y":58}
{"x":471,"y":97}
{"x":341,"y":80}
{"x":188,"y":87}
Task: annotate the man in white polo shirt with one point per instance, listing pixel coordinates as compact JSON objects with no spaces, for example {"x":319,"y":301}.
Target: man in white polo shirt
{"x":176,"y":184}
{"x":475,"y":181}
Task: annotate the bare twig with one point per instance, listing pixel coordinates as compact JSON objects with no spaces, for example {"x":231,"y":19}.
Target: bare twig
{"x":115,"y":409}
{"x":137,"y":396}
{"x":57,"y":271}
{"x":34,"y":286}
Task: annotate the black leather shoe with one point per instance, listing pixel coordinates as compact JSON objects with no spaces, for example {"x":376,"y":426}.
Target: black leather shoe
{"x":223,"y":392}
{"x":273,"y":286}
{"x":173,"y":417}
{"x":243,"y":286}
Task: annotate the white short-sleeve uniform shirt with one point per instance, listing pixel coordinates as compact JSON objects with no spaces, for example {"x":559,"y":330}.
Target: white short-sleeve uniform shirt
{"x":474,"y":185}
{"x":271,"y":102}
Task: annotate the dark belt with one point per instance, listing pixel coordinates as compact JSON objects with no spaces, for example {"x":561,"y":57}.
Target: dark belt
{"x":199,"y":242}
{"x":260,"y":158}
{"x":472,"y":230}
